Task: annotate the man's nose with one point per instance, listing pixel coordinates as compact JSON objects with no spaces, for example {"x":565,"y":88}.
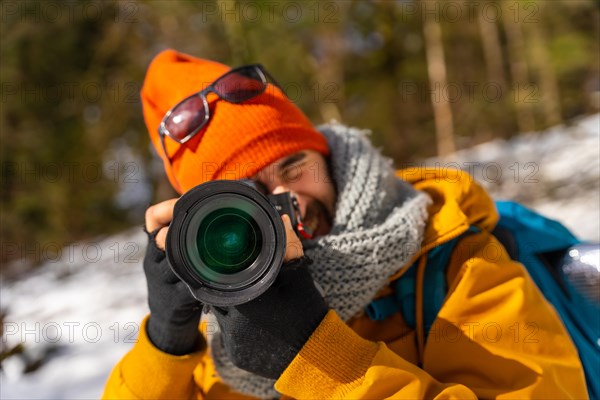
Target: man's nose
{"x":280,"y":189}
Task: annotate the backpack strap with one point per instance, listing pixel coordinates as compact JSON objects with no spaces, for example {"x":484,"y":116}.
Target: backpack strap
{"x":435,"y":286}
{"x":401,"y":300}
{"x":540,"y":244}
{"x":535,"y":241}
{"x":434,"y":289}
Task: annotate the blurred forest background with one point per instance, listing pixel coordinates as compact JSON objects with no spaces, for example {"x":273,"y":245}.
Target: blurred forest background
{"x":427,"y":77}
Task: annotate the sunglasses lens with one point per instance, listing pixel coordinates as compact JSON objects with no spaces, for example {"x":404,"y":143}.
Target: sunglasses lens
{"x":240,"y":85}
{"x":186,"y":118}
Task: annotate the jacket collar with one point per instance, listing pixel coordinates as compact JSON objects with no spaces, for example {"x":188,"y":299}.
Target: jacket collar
{"x":458,"y":202}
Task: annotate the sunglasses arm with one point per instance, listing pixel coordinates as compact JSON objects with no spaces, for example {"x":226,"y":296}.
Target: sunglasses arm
{"x":273,"y":80}
{"x":168,"y":160}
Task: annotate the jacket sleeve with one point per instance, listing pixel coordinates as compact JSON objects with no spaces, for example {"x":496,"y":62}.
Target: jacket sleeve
{"x":148,"y":373}
{"x":495,"y":336}
{"x":337,"y":363}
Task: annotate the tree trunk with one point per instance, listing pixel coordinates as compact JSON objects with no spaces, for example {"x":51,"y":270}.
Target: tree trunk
{"x":436,"y":68}
{"x":492,"y":51}
{"x":548,"y":83}
{"x":330,"y":74}
{"x":522,"y":93}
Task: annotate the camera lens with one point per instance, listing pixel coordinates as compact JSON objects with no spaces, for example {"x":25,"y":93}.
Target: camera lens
{"x":225,"y":239}
{"x":228,"y":240}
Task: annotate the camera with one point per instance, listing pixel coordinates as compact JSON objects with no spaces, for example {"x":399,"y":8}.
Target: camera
{"x":227,"y":241}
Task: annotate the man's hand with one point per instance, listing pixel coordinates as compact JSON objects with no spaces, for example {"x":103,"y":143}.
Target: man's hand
{"x":174,"y":312}
{"x":158,"y":218}
{"x":293,"y":245}
{"x":264,"y":335}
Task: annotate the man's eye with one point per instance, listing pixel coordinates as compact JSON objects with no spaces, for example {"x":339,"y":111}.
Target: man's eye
{"x":292,"y":172}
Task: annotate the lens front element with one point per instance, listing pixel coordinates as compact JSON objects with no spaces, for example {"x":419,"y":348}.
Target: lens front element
{"x":229,"y":240}
{"x":226,"y":242}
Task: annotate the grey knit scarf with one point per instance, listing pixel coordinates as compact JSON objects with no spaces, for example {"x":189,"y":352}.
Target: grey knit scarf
{"x":378,"y":226}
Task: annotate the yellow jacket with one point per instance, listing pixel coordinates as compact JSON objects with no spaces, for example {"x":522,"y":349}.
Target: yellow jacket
{"x":494,"y":337}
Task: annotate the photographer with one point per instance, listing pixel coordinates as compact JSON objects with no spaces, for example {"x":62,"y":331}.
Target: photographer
{"x":308,"y":335}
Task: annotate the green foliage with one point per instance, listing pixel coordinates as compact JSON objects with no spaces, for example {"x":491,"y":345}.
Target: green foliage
{"x":70,"y":87}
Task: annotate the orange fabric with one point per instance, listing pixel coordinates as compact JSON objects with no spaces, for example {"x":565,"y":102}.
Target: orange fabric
{"x":130,"y":381}
{"x":239,"y":139}
{"x":336,"y":363}
{"x":419,"y":328}
{"x":494,"y":337}
{"x":458,"y":202}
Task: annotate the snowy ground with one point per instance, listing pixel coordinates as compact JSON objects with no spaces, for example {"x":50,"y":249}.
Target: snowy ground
{"x":77,"y":316}
{"x":556,"y":173}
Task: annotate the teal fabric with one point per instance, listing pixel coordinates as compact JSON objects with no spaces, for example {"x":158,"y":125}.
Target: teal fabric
{"x":435,"y":287}
{"x":535,"y":235}
{"x":532,"y":236}
{"x":402,"y":300}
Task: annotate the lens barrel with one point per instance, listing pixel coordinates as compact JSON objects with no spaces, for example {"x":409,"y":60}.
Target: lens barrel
{"x":226,"y":242}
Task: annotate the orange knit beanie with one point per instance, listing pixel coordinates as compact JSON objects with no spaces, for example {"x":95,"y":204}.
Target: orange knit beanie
{"x":239,"y":139}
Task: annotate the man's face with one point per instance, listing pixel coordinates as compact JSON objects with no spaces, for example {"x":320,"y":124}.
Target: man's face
{"x":306,"y":175}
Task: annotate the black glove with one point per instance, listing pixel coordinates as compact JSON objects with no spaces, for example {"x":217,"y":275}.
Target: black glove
{"x":174,"y":312}
{"x":264,"y":335}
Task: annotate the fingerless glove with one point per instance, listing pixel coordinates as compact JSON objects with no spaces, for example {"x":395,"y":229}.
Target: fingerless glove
{"x":174,"y":312}
{"x":264,"y":335}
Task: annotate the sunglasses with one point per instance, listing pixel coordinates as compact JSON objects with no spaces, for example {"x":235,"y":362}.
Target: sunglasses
{"x":192,"y":114}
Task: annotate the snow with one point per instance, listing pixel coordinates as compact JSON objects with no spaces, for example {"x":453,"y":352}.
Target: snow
{"x":80,"y":314}
{"x":556,"y":172}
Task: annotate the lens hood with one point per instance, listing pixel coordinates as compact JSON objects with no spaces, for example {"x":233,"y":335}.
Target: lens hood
{"x":226,"y":242}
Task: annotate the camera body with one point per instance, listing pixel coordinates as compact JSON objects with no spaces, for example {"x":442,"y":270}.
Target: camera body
{"x":284,"y":203}
{"x":227,"y":241}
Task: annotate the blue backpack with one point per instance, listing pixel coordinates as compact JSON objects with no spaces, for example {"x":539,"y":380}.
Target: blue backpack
{"x":539,"y":244}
